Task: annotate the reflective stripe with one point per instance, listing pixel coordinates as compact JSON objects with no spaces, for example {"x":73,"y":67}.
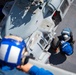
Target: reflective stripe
{"x":3,"y":50}
{"x":64,"y":45}
{"x":66,"y":32}
{"x":14,"y":53}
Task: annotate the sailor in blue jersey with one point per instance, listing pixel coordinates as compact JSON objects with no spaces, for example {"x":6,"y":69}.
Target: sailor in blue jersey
{"x":12,"y":54}
{"x":66,"y":41}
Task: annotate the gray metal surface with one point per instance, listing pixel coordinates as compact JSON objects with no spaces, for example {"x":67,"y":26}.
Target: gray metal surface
{"x":67,"y":62}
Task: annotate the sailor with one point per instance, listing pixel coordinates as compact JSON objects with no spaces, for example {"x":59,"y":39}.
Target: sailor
{"x":66,"y":41}
{"x":12,"y":51}
{"x":13,"y":54}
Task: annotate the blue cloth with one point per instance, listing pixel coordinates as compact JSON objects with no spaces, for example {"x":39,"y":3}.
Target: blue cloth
{"x":39,"y":71}
{"x":6,"y":68}
{"x":67,"y":48}
{"x":33,"y":71}
{"x":13,"y":72}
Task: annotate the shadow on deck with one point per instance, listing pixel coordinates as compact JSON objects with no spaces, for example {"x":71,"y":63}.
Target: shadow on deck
{"x":56,"y":58}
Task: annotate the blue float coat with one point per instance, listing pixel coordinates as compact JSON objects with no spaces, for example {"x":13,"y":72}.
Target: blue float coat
{"x":67,"y":48}
{"x":39,"y":71}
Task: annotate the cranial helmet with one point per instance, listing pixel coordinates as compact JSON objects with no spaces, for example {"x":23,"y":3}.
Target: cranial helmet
{"x":66,"y":31}
{"x":66,"y":34}
{"x":11,"y":48}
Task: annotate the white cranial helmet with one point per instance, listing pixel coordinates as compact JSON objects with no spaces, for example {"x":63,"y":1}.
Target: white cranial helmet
{"x":11,"y":48}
